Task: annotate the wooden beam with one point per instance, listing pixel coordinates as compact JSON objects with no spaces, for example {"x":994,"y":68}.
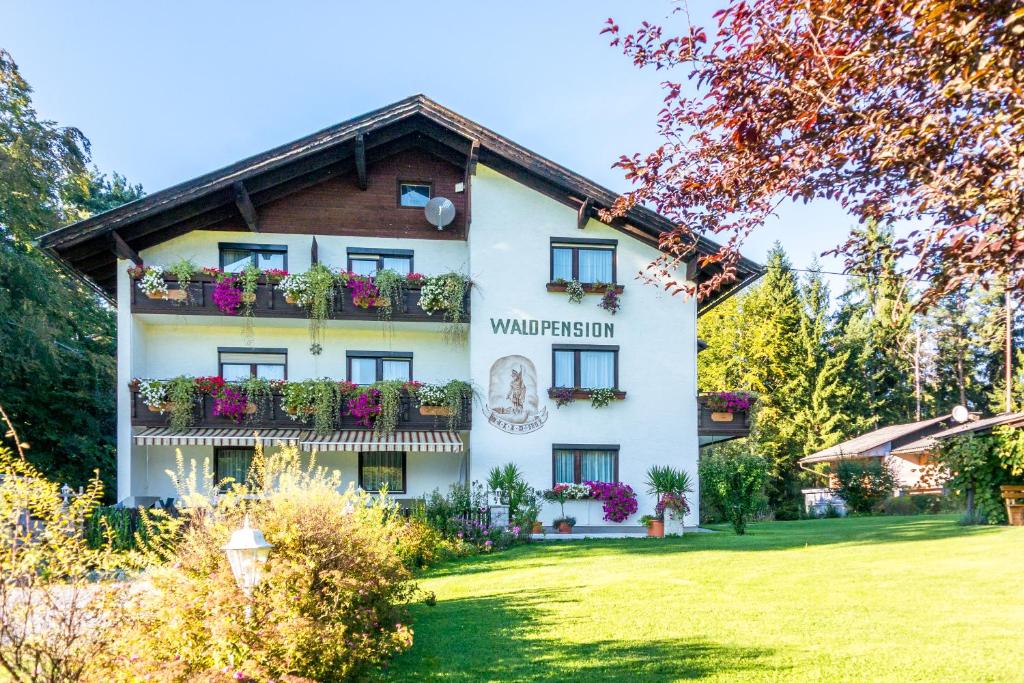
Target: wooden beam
{"x":472,"y":157}
{"x":583,"y":214}
{"x":246,"y":207}
{"x":314,"y":253}
{"x":124,"y":251}
{"x":360,"y":154}
{"x":692,"y":269}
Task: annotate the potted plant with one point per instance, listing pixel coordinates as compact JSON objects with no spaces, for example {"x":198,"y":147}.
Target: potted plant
{"x":565,"y":524}
{"x":724,"y":404}
{"x":655,"y":526}
{"x":669,"y":486}
{"x":672,"y":508}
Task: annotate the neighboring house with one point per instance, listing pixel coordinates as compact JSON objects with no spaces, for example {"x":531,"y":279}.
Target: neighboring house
{"x":905,"y":448}
{"x":352,"y":197}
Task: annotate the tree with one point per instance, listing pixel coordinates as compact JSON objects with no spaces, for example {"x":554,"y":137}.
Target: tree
{"x":735,"y":482}
{"x":909,"y":109}
{"x":863,"y":484}
{"x":57,"y":336}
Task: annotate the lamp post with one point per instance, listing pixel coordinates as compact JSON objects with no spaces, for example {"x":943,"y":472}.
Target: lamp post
{"x":247,"y":552}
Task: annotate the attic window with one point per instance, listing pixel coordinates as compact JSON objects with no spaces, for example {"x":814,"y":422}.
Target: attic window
{"x":414,"y":194}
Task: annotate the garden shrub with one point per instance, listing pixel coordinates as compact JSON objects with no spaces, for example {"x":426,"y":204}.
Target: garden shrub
{"x":462,"y":517}
{"x":922,"y":504}
{"x":330,"y":606}
{"x":864,"y":483}
{"x":61,"y":603}
{"x":735,"y":482}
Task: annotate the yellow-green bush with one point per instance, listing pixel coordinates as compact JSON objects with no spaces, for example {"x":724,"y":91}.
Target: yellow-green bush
{"x":330,"y":606}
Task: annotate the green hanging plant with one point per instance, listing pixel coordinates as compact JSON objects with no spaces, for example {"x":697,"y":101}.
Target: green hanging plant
{"x":319,"y":302}
{"x":325,"y":400}
{"x":183,"y":269}
{"x":457,"y":394}
{"x":390,"y":401}
{"x":258,"y":393}
{"x":390,"y":293}
{"x":181,"y":395}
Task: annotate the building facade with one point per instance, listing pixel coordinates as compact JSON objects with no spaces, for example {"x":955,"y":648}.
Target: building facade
{"x":352,"y":198}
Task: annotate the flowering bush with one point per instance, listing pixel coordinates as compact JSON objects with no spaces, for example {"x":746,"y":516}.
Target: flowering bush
{"x":364,"y":292}
{"x":153,"y":393}
{"x":211,"y":385}
{"x":295,"y":288}
{"x":563,"y":396}
{"x":445,"y":294}
{"x":619,"y":499}
{"x":610,"y":301}
{"x":575,"y":291}
{"x":727,"y":401}
{"x":152,"y":282}
{"x":331,"y":603}
{"x":228,"y":402}
{"x":673,"y":503}
{"x":227,"y":295}
{"x":364,"y":406}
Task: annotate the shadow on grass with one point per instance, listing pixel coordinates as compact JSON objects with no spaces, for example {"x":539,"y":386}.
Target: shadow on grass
{"x":499,"y":638}
{"x":765,"y":536}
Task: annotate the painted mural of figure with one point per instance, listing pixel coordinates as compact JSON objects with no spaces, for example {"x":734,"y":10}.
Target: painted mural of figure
{"x":513,"y":404}
{"x":517,"y":391}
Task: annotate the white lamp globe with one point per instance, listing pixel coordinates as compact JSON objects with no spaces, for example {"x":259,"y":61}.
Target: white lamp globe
{"x":247,"y":552}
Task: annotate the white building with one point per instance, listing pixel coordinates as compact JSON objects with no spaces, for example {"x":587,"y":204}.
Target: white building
{"x":351,"y":197}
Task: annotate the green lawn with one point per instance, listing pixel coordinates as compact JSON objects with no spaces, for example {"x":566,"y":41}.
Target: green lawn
{"x":901,"y":599}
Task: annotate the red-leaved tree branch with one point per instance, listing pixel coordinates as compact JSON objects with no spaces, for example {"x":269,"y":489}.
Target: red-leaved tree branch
{"x":900,"y":110}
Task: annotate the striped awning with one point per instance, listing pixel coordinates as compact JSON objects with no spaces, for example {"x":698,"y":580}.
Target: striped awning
{"x":165,"y":436}
{"x":366,"y":440}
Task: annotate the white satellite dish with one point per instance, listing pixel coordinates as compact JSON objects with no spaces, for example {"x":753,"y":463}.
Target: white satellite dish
{"x":440,"y":212}
{"x":961,"y":414}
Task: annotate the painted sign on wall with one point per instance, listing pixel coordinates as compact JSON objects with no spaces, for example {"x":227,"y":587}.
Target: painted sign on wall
{"x":513,"y":403}
{"x":553,"y":328}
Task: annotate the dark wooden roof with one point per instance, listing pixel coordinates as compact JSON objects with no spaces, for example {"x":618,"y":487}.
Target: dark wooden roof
{"x":89,"y":246}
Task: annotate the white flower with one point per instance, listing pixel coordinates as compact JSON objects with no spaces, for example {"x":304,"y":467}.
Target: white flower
{"x":152,"y":281}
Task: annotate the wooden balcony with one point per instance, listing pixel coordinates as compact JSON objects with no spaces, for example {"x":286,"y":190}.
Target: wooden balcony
{"x":409,"y":417}
{"x":270,"y":303}
{"x":727,"y":425}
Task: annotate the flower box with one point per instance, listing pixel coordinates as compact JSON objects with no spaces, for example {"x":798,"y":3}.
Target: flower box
{"x":722,"y":417}
{"x":587,"y":289}
{"x":165,"y":407}
{"x":169,"y":295}
{"x":437,"y":411}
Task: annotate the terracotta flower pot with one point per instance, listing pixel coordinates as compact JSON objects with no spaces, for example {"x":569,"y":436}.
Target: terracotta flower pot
{"x":721,"y":417}
{"x":441,"y":411}
{"x":538,"y":528}
{"x":656,"y":529}
{"x":564,"y":528}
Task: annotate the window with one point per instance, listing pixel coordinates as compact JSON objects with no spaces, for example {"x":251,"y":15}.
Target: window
{"x":367,"y":367}
{"x":234,"y":258}
{"x":231,"y":463}
{"x":575,"y":463}
{"x":382,"y":469}
{"x":369,"y":261}
{"x":414,"y":194}
{"x":585,"y":367}
{"x":237,"y":364}
{"x":588,"y":261}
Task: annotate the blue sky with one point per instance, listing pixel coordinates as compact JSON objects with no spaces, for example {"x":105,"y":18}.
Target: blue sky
{"x":167,"y":91}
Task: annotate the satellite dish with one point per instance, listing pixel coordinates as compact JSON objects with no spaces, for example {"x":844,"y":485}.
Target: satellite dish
{"x":440,"y":212}
{"x":961,"y":414}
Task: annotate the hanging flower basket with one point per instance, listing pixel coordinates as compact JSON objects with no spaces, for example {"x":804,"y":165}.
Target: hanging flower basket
{"x":165,"y":407}
{"x":721,"y":417}
{"x":437,"y":411}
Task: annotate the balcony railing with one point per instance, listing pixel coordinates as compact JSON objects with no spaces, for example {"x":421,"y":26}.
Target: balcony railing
{"x":270,"y":303}
{"x":275,"y":417}
{"x":713,"y":423}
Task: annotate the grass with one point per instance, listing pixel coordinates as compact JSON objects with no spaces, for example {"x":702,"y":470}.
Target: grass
{"x":893,"y":598}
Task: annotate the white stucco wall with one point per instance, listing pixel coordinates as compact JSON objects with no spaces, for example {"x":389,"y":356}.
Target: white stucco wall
{"x":509,"y":245}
